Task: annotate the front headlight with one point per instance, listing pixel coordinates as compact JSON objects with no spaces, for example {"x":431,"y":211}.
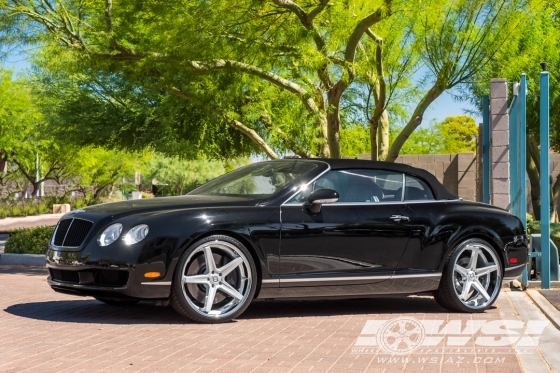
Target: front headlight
{"x":110,"y":234}
{"x":136,"y":234}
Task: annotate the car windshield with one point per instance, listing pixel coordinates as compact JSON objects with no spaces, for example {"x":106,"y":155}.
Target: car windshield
{"x":258,"y":180}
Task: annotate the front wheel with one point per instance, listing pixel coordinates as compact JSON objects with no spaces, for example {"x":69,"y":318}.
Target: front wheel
{"x":471,"y":279}
{"x":215,"y":280}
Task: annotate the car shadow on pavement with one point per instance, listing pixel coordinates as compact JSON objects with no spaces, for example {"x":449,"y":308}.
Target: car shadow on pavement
{"x":90,"y":311}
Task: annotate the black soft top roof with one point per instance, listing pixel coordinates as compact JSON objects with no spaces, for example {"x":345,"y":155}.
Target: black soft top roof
{"x":440,"y":192}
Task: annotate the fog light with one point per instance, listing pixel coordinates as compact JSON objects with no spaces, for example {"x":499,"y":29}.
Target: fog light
{"x":513,"y":260}
{"x":152,"y":274}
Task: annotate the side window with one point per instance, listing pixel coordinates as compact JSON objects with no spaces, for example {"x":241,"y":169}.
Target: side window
{"x":360,"y":185}
{"x":416,"y":189}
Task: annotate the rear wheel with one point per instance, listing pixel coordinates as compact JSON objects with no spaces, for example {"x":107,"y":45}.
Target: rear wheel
{"x":471,"y":279}
{"x":215,"y":280}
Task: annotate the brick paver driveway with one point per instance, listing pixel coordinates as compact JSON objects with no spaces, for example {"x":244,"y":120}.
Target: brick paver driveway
{"x":43,"y":331}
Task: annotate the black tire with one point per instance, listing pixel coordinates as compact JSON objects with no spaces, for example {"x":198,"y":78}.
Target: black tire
{"x":452,"y":281}
{"x":186,"y":297}
{"x":117,"y":302}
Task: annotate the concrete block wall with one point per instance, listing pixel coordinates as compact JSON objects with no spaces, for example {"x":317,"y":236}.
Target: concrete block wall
{"x":499,"y":147}
{"x":457,"y":172}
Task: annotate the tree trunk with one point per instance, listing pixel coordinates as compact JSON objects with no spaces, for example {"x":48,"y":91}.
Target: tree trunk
{"x":333,"y":133}
{"x":333,"y":120}
{"x":554,"y":199}
{"x":373,"y":130}
{"x":383,"y":136}
{"x":416,"y":119}
{"x":533,"y":171}
{"x":36,"y":187}
{"x":534,"y":179}
{"x":325,"y":146}
{"x":379,"y":135}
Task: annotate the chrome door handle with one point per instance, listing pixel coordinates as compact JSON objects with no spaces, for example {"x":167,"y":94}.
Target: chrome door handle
{"x":398,"y":218}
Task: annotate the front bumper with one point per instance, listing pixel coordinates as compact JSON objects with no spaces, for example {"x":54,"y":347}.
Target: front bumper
{"x":115,"y":271}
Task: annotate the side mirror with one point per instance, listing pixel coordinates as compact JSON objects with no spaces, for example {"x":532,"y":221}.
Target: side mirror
{"x":320,"y":196}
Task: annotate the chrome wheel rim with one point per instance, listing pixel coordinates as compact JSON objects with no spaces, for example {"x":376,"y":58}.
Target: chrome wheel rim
{"x":477,"y":276}
{"x":216,"y":279}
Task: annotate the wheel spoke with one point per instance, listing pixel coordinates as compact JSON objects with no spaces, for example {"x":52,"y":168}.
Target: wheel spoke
{"x":210,"y":295}
{"x":229,"y":290}
{"x":486,"y":270}
{"x":461,"y":270}
{"x":198,"y":279}
{"x":466,"y":290}
{"x":225,"y":270}
{"x":395,"y":344}
{"x":478,"y":286}
{"x":474,"y":258}
{"x":209,"y":259}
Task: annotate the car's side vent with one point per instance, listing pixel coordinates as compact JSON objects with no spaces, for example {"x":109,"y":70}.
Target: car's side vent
{"x":71,"y":232}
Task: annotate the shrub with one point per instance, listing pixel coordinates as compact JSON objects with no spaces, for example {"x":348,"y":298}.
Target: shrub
{"x":29,"y":240}
{"x":535,"y":227}
{"x":35,"y":206}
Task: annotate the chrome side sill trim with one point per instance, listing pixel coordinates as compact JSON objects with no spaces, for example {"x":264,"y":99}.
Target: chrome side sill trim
{"x":271,"y":281}
{"x":323,"y":279}
{"x":418,"y":275}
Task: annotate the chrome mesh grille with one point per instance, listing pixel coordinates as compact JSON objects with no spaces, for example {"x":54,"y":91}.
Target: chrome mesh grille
{"x":71,"y":232}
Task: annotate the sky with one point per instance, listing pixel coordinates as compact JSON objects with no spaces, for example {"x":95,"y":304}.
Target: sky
{"x":443,"y":107}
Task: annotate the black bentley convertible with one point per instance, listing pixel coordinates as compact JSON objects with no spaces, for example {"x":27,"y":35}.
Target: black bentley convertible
{"x":290,"y":229}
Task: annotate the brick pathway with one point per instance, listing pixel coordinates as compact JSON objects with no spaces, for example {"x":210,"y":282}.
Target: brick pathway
{"x":44,"y":331}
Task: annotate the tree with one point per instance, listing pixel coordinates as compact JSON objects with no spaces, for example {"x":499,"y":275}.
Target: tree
{"x":539,"y":41}
{"x":95,"y":171}
{"x":455,"y":134}
{"x":182,"y":176}
{"x":18,"y":116}
{"x":279,"y":72}
{"x":22,"y":138}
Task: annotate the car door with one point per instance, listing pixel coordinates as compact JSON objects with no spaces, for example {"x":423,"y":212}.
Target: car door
{"x":423,"y":253}
{"x":357,"y":240}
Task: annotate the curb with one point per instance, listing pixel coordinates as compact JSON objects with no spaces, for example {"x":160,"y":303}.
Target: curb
{"x":23,"y":259}
{"x":545,"y":306}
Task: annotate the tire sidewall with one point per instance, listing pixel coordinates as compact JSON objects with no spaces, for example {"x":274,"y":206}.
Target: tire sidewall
{"x":177,"y":280}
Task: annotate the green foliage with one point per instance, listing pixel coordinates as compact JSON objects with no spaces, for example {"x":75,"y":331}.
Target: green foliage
{"x":534,"y":227}
{"x":29,"y":240}
{"x":96,"y":171}
{"x":539,"y":41}
{"x":29,"y":207}
{"x":355,"y":140}
{"x":176,"y":176}
{"x":211,"y":80}
{"x":456,"y":134}
{"x":18,"y":116}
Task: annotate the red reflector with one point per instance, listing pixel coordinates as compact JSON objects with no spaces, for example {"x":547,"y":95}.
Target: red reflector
{"x":513,"y":260}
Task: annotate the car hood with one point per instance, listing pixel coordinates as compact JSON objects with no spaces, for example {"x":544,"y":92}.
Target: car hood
{"x":168,"y":203}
